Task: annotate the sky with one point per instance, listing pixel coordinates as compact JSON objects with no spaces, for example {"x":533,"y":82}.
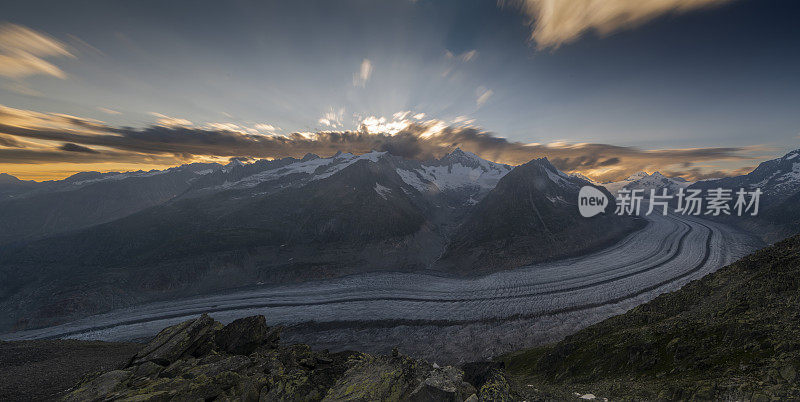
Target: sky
{"x":696,"y":88}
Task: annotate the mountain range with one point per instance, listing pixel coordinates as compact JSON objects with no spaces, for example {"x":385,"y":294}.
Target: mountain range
{"x":116,"y":239}
{"x":645,"y":181}
{"x":99,"y":241}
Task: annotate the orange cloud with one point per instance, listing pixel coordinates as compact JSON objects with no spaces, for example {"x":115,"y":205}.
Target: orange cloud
{"x":22,"y":52}
{"x":39,"y":139}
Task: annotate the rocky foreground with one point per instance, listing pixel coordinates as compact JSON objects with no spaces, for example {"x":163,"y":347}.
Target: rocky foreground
{"x":201,"y":359}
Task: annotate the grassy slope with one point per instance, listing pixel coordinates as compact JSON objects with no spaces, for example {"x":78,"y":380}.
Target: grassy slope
{"x":734,"y":333}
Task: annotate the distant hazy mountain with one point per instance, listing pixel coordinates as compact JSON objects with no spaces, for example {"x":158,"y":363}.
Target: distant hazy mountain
{"x":11,"y":186}
{"x":30,"y":210}
{"x":645,"y":181}
{"x":197,"y":229}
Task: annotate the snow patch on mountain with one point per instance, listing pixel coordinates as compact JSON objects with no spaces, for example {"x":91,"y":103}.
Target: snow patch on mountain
{"x":458,"y":170}
{"x":583,"y":177}
{"x":647,"y":182}
{"x":316,"y":169}
{"x":382,"y":191}
{"x":118,"y":176}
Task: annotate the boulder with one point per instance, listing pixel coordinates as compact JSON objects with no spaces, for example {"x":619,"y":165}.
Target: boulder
{"x":443,"y":384}
{"x":496,"y":388}
{"x":477,"y":373}
{"x":188,"y":339}
{"x":100,"y":387}
{"x":245,"y":335}
{"x":399,"y":377}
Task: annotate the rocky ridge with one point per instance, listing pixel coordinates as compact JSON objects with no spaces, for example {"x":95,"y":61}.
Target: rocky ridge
{"x":244,"y":360}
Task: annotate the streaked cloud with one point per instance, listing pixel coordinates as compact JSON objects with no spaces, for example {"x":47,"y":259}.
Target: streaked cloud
{"x":465,"y":57}
{"x":108,"y":111}
{"x":23,"y":52}
{"x":483,"y":95}
{"x":332,"y":118}
{"x":363,"y":75}
{"x":9,"y":142}
{"x":70,"y":147}
{"x":167,"y":121}
{"x":66,"y":138}
{"x":266,"y":127}
{"x":556,"y":22}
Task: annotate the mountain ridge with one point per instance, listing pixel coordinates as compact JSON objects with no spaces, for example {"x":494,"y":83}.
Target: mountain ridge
{"x":304,"y":219}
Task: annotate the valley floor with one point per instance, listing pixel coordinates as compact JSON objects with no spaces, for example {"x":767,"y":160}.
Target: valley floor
{"x":449,"y":319}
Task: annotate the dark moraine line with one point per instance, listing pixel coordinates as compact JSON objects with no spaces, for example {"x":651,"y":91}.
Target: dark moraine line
{"x":444,"y":323}
{"x":610,"y":270}
{"x":411,"y":322}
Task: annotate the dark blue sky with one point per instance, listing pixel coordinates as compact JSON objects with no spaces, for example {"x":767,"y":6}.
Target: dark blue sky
{"x":725,"y":75}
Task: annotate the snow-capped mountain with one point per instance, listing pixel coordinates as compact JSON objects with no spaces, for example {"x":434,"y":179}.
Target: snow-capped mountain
{"x":530,"y":216}
{"x":459,"y":174}
{"x":583,"y":177}
{"x":778,"y":179}
{"x":645,"y":181}
{"x":310,"y":168}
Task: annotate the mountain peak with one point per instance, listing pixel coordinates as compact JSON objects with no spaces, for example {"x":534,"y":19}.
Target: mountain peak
{"x":309,"y":157}
{"x":457,"y":151}
{"x":461,"y":154}
{"x":465,"y":158}
{"x":6,"y":178}
{"x":583,"y":177}
{"x":791,"y":154}
{"x":638,"y":175}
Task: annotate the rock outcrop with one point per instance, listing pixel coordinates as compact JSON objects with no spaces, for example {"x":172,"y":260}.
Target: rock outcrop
{"x":201,"y":359}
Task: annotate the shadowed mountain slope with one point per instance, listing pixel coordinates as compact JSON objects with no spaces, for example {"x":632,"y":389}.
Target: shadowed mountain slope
{"x":732,"y":335}
{"x":531,"y":216}
{"x":284,"y":221}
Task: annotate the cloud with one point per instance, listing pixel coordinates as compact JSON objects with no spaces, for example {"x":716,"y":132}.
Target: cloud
{"x":465,"y":57}
{"x":9,"y":142}
{"x":332,"y":118}
{"x":556,"y":22}
{"x":70,"y":147}
{"x":108,"y":111}
{"x":698,"y":174}
{"x":267,"y":127}
{"x":22,"y":52}
{"x":483,"y":95}
{"x":403,"y":135}
{"x":168,"y":121}
{"x":364,"y":73}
